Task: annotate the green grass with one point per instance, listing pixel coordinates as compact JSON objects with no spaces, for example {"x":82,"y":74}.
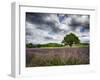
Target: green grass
{"x":74,"y":46}
{"x":55,"y":45}
{"x":80,"y":46}
{"x":73,"y":56}
{"x":54,"y":61}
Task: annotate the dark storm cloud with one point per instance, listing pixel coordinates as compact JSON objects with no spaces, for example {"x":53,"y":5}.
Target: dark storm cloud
{"x":28,"y":32}
{"x":36,"y":18}
{"x":39,"y":19}
{"x":74,"y":23}
{"x":50,"y":27}
{"x":48,"y":38}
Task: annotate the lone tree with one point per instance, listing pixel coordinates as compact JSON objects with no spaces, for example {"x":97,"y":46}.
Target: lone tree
{"x":71,"y":39}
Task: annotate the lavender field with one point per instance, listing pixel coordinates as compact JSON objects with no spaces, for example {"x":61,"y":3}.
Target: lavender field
{"x":55,"y":39}
{"x":56,"y":56}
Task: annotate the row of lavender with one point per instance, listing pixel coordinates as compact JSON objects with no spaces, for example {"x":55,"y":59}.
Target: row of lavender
{"x":56,"y":56}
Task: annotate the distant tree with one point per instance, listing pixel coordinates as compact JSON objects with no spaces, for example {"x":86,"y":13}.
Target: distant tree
{"x":29,"y":45}
{"x":70,"y":39}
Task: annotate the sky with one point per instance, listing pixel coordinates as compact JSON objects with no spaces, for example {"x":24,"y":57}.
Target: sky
{"x":44,"y":28}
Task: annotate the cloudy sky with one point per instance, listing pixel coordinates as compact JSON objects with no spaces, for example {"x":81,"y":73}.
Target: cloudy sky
{"x":51,"y":28}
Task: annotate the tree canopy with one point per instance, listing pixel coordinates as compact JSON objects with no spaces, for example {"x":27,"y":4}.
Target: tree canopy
{"x":70,"y":39}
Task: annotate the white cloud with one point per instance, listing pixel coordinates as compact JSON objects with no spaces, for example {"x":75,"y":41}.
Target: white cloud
{"x":52,"y":30}
{"x":52,"y":18}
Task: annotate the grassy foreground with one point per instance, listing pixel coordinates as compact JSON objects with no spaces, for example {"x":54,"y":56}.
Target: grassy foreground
{"x":57,"y":56}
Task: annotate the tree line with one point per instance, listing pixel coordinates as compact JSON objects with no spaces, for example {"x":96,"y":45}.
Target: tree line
{"x":69,"y":39}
